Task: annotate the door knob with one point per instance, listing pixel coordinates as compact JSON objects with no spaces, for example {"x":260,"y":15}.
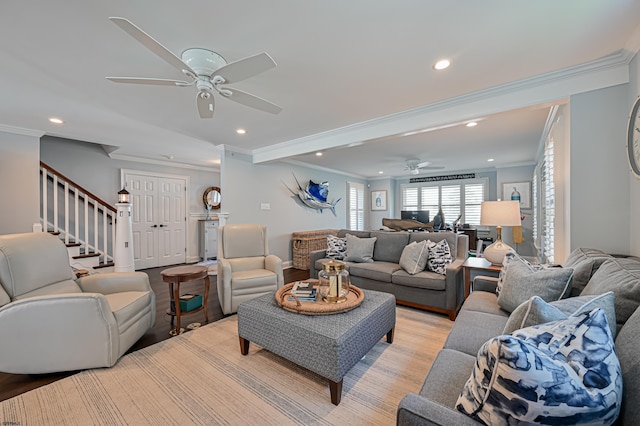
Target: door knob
{"x":154,"y":226}
{"x":161,"y":226}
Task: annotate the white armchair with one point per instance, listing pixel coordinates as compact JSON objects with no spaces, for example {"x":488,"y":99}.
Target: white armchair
{"x":245,"y":267}
{"x":51,"y":322}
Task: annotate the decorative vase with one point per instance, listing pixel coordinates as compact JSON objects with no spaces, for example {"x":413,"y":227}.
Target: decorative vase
{"x":333,"y":282}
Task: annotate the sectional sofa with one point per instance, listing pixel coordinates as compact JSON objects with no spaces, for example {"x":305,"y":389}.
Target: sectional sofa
{"x":426,"y":289}
{"x":481,"y":318}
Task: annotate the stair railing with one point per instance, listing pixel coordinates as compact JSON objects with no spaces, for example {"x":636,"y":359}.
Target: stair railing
{"x":76,"y":214}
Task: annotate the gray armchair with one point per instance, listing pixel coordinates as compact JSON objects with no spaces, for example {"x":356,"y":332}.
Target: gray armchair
{"x":245,"y":267}
{"x":51,"y":322}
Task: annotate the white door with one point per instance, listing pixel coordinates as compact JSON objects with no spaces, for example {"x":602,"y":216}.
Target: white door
{"x":159,"y":219}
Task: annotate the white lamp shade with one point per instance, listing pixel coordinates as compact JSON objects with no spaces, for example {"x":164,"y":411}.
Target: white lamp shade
{"x":500,"y":213}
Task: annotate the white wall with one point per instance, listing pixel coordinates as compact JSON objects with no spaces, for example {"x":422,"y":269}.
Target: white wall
{"x":599,"y":175}
{"x":88,"y":165}
{"x":20,"y":177}
{"x":376,"y":216}
{"x":246,"y":186}
{"x":634,"y":182}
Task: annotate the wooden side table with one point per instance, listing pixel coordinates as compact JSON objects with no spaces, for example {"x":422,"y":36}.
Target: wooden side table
{"x":175,"y":276}
{"x":476,"y":264}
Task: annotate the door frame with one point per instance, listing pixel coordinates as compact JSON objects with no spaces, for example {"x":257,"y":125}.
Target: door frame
{"x":187,"y":179}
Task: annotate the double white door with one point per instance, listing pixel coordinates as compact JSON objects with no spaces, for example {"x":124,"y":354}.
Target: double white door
{"x":159,"y":219}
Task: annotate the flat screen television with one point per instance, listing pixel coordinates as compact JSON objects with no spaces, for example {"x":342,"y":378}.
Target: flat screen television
{"x":419,"y":215}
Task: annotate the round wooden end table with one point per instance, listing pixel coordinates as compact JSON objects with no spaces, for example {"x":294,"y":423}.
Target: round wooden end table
{"x":175,"y":276}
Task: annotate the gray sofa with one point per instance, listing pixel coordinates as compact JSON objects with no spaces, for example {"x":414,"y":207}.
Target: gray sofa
{"x":481,"y":319}
{"x":426,"y":289}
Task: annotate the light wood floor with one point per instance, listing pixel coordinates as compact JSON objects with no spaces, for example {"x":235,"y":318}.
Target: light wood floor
{"x":15,"y":384}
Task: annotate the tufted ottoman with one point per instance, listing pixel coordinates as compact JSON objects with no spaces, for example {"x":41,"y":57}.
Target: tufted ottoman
{"x":329,"y":345}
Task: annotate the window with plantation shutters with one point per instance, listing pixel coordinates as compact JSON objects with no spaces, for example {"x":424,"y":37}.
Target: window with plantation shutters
{"x":356,"y":206}
{"x":548,"y":200}
{"x":460,"y":198}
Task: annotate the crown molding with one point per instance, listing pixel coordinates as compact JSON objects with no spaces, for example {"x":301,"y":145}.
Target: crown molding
{"x":550,"y":87}
{"x":163,"y":163}
{"x":21,"y":131}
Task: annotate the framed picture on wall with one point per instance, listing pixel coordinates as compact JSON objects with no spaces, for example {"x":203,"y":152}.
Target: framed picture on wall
{"x":379,"y":200}
{"x":518,"y":191}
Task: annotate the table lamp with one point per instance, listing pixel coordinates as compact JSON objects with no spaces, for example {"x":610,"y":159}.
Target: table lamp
{"x":499,"y":214}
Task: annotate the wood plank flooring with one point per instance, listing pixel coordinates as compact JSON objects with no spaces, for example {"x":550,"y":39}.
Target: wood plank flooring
{"x":16,"y":384}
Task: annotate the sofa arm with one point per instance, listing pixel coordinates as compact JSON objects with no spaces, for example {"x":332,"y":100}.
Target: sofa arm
{"x":454,"y":286}
{"x":274,"y":264}
{"x":313,"y":256}
{"x":482,"y":283}
{"x":114,"y":282}
{"x":75,"y":330}
{"x":418,"y":410}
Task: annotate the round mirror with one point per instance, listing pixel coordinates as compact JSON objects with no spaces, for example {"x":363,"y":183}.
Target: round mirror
{"x":211,"y":197}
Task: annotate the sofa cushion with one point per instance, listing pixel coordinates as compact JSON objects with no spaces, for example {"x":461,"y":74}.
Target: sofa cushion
{"x":563,"y":372}
{"x":336,"y":247}
{"x":536,"y":311}
{"x":359,"y":249}
{"x":585,"y":262}
{"x":522,"y":281}
{"x":447,"y":375}
{"x":389,"y":245}
{"x":379,"y":271}
{"x":439,"y":256}
{"x":436,"y":237}
{"x":425,"y":279}
{"x":622,"y":276}
{"x":628,"y":349}
{"x":483,"y":301}
{"x":414,"y":257}
{"x":472,"y":329}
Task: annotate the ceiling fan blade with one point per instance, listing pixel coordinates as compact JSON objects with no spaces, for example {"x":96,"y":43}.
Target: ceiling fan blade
{"x":250,"y":100}
{"x":152,"y":81}
{"x":150,"y":43}
{"x":423,"y":164}
{"x":205,"y":104}
{"x":432,"y":168}
{"x":245,"y":68}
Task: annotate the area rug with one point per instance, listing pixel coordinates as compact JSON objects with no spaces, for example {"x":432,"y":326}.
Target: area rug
{"x":200,"y":377}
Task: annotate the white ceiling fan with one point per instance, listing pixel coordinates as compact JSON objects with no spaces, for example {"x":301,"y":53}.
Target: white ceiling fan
{"x":414,"y":166}
{"x":206,"y":69}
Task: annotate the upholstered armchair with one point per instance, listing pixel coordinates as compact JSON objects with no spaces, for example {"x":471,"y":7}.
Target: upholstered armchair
{"x":50,"y":321}
{"x":245,"y":267}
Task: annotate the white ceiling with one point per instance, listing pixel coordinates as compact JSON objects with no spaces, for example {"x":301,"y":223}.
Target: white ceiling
{"x":349,"y":73}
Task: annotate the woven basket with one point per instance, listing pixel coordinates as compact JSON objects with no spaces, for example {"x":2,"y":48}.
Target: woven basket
{"x":303,"y":243}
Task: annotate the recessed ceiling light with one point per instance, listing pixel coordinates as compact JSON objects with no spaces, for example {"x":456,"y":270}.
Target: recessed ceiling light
{"x":490,"y":160}
{"x":380,"y":172}
{"x":442,"y":64}
{"x":318,"y":154}
{"x":472,"y":124}
{"x":56,"y":120}
{"x":241,"y":131}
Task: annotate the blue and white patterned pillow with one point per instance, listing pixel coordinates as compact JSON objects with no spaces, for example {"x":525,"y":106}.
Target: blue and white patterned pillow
{"x":508,"y":257}
{"x":439,"y":256}
{"x":563,"y":372}
{"x":336,"y":247}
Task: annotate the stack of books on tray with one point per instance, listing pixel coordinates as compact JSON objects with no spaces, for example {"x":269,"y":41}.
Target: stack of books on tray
{"x":304,"y":291}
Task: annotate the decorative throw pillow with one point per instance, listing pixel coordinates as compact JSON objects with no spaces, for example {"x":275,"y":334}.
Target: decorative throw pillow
{"x":585,"y":262}
{"x":439,"y":256}
{"x":414,"y":257}
{"x":536,"y":311}
{"x":563,"y":372}
{"x":622,"y":276}
{"x":508,"y":257}
{"x":359,"y":249}
{"x":336,"y":247}
{"x":523,"y":281}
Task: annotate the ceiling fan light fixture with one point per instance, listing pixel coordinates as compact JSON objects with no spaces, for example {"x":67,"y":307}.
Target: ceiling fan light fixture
{"x":415,"y":171}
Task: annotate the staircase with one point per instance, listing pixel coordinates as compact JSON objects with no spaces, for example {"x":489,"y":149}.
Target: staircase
{"x":82,"y":220}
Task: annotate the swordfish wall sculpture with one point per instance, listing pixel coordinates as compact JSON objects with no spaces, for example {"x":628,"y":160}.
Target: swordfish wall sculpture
{"x":314,"y":195}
